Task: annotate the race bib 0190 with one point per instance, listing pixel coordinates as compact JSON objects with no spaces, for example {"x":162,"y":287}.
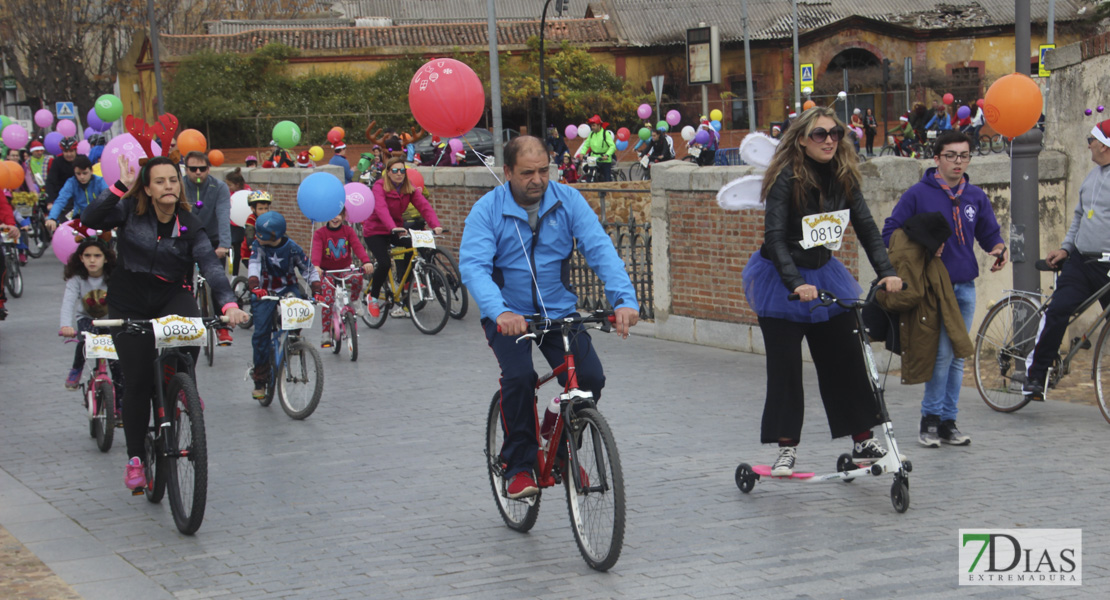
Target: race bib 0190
{"x":824,"y":229}
{"x":100,"y":346}
{"x":173,"y":331}
{"x":296,"y":313}
{"x":422,"y":238}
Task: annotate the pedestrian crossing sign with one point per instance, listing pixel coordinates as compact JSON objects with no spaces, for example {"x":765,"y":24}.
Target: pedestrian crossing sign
{"x":65,"y":110}
{"x":1043,"y":71}
{"x":807,"y":75}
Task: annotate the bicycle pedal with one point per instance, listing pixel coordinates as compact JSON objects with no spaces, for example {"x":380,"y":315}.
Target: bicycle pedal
{"x":137,"y":492}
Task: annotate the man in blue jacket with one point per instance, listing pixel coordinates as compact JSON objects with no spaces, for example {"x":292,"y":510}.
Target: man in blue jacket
{"x":77,"y":192}
{"x":947,"y":189}
{"x":514,"y":257}
{"x":340,"y":160}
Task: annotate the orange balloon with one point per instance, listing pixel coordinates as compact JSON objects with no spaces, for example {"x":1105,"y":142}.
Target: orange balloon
{"x":808,"y":104}
{"x":1013,"y":104}
{"x":216,"y":158}
{"x":11,"y":176}
{"x":191,"y":140}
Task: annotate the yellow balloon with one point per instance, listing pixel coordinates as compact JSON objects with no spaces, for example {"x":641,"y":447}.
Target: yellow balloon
{"x":316,"y":153}
{"x":715,"y":115}
{"x":96,"y":170}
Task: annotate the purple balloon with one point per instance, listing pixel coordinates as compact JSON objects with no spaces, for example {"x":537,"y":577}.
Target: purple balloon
{"x":15,"y":136}
{"x":44,"y":118}
{"x":93,"y":120}
{"x":963,"y":112}
{"x":53,"y":144}
{"x":89,"y":132}
{"x":571,"y":131}
{"x":455,"y":144}
{"x":67,"y":128}
{"x":673,"y":117}
{"x":701,"y":137}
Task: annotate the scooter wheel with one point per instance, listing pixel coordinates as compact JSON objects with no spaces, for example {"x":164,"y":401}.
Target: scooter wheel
{"x":907,"y":465}
{"x":745,"y":477}
{"x":900,"y":495}
{"x":844,"y":463}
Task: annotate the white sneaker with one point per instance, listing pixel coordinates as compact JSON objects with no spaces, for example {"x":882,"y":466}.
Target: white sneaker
{"x":784,"y":466}
{"x":398,"y":312}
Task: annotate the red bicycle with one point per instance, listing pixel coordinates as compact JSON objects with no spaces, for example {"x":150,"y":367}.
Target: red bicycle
{"x":595,"y":484}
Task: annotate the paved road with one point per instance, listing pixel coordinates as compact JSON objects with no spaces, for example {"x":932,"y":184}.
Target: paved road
{"x":383,"y":492}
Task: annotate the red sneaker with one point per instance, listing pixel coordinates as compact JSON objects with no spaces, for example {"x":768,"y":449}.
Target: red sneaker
{"x":223,"y":336}
{"x":522,"y":486}
{"x":373,"y":308}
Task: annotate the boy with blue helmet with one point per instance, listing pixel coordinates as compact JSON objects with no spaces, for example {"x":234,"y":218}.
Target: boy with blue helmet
{"x":272,"y":271}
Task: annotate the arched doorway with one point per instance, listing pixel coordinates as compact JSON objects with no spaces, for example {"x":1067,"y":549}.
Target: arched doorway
{"x":862,"y":71}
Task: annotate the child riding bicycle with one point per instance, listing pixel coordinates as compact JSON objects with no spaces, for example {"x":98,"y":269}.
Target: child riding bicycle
{"x":275,"y":260}
{"x":86,"y":298}
{"x":332,"y":246}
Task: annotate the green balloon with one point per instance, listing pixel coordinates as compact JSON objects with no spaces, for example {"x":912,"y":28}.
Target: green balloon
{"x":4,"y":121}
{"x":662,"y":126}
{"x":287,"y":134}
{"x":645,"y":134}
{"x":108,"y":108}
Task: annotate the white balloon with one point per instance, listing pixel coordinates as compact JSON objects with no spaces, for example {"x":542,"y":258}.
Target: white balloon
{"x":584,"y":131}
{"x":688,"y":133}
{"x":240,"y":210}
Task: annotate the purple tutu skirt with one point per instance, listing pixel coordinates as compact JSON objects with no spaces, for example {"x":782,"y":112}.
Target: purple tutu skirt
{"x":767,"y":295}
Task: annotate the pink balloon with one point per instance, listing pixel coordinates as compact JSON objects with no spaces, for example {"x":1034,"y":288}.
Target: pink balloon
{"x":67,"y":128}
{"x":644,"y":112}
{"x":44,"y":118}
{"x":65,"y":240}
{"x":14,"y":136}
{"x":359,"y":203}
{"x":83,"y":147}
{"x":455,"y":144}
{"x":124,"y":145}
{"x":571,"y":131}
{"x":673,"y":117}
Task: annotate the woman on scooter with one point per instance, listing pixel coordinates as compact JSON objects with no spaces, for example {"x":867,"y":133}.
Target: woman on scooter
{"x":813,"y":172}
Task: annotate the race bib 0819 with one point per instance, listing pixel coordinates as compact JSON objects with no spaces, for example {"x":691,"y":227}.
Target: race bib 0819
{"x":173,"y":331}
{"x":824,"y":229}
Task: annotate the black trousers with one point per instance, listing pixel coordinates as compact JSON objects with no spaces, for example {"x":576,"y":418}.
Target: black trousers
{"x":841,"y":375}
{"x":1078,"y":280}
{"x":238,"y":234}
{"x":136,"y":357}
{"x":379,"y":246}
{"x":870,"y":135}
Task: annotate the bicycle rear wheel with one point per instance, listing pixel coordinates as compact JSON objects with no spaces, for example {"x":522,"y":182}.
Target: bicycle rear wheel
{"x":429,"y":299}
{"x":301,"y":380}
{"x":984,"y":145}
{"x":595,"y":489}
{"x":34,"y":243}
{"x":520,"y":515}
{"x":188,"y":460}
{"x":445,"y":261}
{"x":242,"y":298}
{"x":157,"y":470}
{"x":1102,"y":372}
{"x":104,"y":422}
{"x":1008,"y":335}
{"x":15,"y":277}
{"x":351,"y":334}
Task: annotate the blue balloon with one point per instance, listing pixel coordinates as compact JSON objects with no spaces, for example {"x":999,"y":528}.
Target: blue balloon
{"x":622,"y":145}
{"x":321,"y":197}
{"x":716,"y":125}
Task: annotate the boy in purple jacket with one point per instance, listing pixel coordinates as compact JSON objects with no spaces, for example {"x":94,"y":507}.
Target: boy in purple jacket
{"x":947,"y":189}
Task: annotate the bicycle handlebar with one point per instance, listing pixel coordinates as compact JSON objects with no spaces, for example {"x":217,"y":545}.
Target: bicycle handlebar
{"x":140,"y":322}
{"x":538,"y":324}
{"x":827,"y":298}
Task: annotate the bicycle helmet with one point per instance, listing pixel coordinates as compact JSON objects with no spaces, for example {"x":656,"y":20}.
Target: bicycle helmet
{"x":259,"y":196}
{"x":69,"y":143}
{"x":270,"y":226}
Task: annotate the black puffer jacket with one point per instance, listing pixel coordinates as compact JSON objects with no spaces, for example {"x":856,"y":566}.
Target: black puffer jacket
{"x":782,"y":225}
{"x":141,"y":251}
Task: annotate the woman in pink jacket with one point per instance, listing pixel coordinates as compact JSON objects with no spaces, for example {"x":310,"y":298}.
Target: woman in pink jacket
{"x":392,"y":195}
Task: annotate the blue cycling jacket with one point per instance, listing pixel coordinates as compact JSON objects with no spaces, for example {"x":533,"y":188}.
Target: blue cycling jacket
{"x":499,"y":252}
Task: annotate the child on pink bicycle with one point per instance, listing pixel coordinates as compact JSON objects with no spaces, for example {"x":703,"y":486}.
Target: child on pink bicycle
{"x":332,"y":246}
{"x":86,"y":298}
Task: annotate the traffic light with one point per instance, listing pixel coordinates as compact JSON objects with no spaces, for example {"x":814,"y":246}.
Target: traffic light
{"x":560,"y":6}
{"x":552,"y":88}
{"x":886,"y":69}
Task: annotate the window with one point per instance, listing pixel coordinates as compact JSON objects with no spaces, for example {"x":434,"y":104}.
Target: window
{"x":739,"y":89}
{"x":966,"y":85}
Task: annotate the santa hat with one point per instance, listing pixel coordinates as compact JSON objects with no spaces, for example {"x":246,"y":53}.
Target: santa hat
{"x":303,"y":160}
{"x":1101,"y":132}
{"x":904,"y":118}
{"x":339,"y":146}
{"x":792,"y":115}
{"x":776,"y":128}
{"x":37,"y":145}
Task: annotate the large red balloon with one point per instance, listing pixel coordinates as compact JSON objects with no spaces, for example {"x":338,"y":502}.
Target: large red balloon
{"x":623,"y":134}
{"x":446,"y":97}
{"x":948,"y":98}
{"x":415,"y":178}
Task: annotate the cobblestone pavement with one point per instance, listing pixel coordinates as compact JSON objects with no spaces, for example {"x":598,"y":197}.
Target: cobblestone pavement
{"x":383,"y":492}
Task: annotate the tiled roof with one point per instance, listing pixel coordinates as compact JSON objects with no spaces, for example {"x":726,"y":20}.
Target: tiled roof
{"x":448,"y":35}
{"x":228,"y":26}
{"x":664,"y":22}
{"x":434,"y":11}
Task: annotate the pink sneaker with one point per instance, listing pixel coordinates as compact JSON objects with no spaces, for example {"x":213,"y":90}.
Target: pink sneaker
{"x":135,"y":476}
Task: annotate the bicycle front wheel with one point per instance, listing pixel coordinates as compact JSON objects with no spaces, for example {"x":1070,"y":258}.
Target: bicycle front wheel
{"x":34,"y":240}
{"x":301,"y":380}
{"x":520,"y":515}
{"x":429,"y":299}
{"x":445,"y":261}
{"x":104,"y":422}
{"x":1006,"y":337}
{"x":351,"y":334}
{"x":984,"y":145}
{"x":886,"y":151}
{"x":15,"y":278}
{"x":595,"y":489}
{"x":1102,"y":372}
{"x":188,"y":460}
{"x":157,"y":470}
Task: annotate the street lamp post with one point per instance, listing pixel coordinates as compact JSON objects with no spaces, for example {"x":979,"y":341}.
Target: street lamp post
{"x":543,"y":81}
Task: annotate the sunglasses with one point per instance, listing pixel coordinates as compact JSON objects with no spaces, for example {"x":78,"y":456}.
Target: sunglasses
{"x":820,"y":134}
{"x":397,"y":170}
{"x":197,"y":169}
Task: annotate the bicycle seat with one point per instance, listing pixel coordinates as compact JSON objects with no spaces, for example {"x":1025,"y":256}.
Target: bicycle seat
{"x":1042,"y":265}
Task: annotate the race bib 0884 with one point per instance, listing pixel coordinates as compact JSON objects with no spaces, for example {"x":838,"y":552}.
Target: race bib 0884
{"x":173,"y":331}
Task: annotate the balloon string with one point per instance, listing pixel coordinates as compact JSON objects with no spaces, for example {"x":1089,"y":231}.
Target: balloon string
{"x":485,"y":162}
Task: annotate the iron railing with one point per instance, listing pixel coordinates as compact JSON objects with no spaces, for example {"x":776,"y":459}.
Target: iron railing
{"x":632,"y":241}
